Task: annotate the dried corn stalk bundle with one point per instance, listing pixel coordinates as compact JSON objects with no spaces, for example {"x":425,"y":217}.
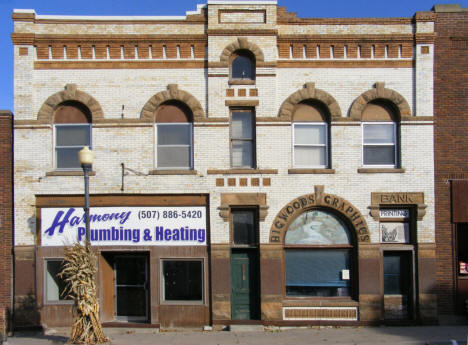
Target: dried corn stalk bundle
{"x":79,"y":269}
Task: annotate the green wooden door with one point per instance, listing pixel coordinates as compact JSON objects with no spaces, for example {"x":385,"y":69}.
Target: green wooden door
{"x":244,"y":285}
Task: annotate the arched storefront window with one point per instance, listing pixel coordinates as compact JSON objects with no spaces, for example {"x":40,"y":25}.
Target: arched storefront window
{"x":318,"y":256}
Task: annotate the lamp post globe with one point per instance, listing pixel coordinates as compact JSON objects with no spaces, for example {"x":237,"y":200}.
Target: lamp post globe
{"x":86,"y":158}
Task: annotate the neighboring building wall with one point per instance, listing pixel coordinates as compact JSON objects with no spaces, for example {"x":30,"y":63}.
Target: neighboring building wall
{"x":450,"y":140}
{"x":358,"y":60}
{"x":6,"y":219}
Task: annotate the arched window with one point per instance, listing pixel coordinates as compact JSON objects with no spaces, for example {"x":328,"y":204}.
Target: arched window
{"x":380,"y":134}
{"x":173,"y":130}
{"x":310,"y":135}
{"x":72,"y":130}
{"x":243,"y":65}
{"x":318,"y":256}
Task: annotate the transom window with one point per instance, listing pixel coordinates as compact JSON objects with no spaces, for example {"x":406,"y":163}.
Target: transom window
{"x":244,"y":227}
{"x":72,"y":131}
{"x":243,"y":65}
{"x":310,"y":136}
{"x":243,"y":139}
{"x":318,"y":256}
{"x":379,"y":135}
{"x":174,"y":141}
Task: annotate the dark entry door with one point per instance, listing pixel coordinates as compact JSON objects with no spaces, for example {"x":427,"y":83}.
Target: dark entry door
{"x":131,"y":288}
{"x":398,"y":284}
{"x":245,"y":296}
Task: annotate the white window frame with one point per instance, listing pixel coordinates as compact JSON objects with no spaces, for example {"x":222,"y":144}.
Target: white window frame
{"x":190,"y":124}
{"x":162,"y":282}
{"x":44,"y":284}
{"x":326,"y":145}
{"x":55,"y":159}
{"x":252,"y":139}
{"x":394,"y":144}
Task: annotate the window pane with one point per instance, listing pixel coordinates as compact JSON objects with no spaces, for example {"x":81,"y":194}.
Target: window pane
{"x":174,"y":134}
{"x":131,"y":301}
{"x":242,"y":68}
{"x":379,"y":155}
{"x":68,"y":158}
{"x":379,"y":134}
{"x":173,"y":157}
{"x":54,"y":285}
{"x":74,"y":135}
{"x":243,"y":227}
{"x":130,"y":271}
{"x":310,"y":156}
{"x":317,"y":227}
{"x":182,"y":280}
{"x":309,"y":134}
{"x":242,"y":154}
{"x":316,"y":272}
{"x":241,"y":127}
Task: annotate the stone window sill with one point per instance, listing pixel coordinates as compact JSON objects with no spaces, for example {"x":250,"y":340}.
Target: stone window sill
{"x":381,"y":170}
{"x":172,"y":172}
{"x":69,"y":173}
{"x":241,"y":82}
{"x":241,"y":171}
{"x":311,"y":171}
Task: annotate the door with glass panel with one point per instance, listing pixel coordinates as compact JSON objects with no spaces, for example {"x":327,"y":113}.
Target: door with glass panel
{"x":398,"y":284}
{"x":131,"y":288}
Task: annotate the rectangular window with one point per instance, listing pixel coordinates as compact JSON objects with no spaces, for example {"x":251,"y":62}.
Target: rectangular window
{"x":174,"y":145}
{"x":182,"y":280}
{"x":396,"y":269}
{"x":310,"y":145}
{"x":69,"y":140}
{"x":317,"y":272}
{"x":244,"y":227}
{"x":243,"y":139}
{"x":379,"y":144}
{"x":54,"y":285}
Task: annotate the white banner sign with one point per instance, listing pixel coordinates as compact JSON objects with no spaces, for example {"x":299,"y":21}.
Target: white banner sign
{"x":125,"y":226}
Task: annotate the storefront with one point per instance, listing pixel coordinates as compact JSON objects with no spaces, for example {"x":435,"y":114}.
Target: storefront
{"x":152,"y":257}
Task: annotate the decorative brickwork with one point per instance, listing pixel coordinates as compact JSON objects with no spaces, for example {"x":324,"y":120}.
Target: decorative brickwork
{"x":379,"y":92}
{"x":241,"y":43}
{"x":46,"y":113}
{"x":309,"y":92}
{"x":172,"y":93}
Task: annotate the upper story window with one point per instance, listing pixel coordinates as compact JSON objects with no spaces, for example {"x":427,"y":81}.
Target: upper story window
{"x":380,"y":135}
{"x":244,"y":226}
{"x":310,"y":136}
{"x":243,"y":138}
{"x":319,"y":256}
{"x":72,"y":130}
{"x":174,"y":138}
{"x":243,"y":65}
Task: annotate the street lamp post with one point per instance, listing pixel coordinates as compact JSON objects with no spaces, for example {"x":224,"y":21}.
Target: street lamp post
{"x":86,"y":157}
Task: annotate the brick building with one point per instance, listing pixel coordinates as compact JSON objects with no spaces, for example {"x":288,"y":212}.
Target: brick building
{"x":251,"y":165}
{"x":6,"y":219}
{"x":451,"y":148}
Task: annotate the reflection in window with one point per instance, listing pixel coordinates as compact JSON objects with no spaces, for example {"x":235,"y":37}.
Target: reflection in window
{"x":54,"y":284}
{"x":379,"y":143}
{"x":243,"y":65}
{"x":182,"y":280}
{"x":243,"y":139}
{"x":72,"y":132}
{"x":318,"y":251}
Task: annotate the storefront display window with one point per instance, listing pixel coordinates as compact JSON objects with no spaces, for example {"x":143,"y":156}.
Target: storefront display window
{"x":55,"y":286}
{"x":182,"y":280}
{"x":318,"y":252}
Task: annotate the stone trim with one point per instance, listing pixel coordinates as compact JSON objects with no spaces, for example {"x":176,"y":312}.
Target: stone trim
{"x":243,"y":199}
{"x":172,"y":93}
{"x":311,"y":171}
{"x":379,"y":199}
{"x":340,"y":63}
{"x":309,"y":92}
{"x":241,"y":43}
{"x":241,"y":171}
{"x":379,"y":92}
{"x":380,"y":170}
{"x":318,"y":199}
{"x":118,"y":64}
{"x":173,"y":172}
{"x":69,"y":173}
{"x":71,"y":93}
{"x":241,"y":103}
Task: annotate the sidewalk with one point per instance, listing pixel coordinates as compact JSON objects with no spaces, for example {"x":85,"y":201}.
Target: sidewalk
{"x":428,"y":335}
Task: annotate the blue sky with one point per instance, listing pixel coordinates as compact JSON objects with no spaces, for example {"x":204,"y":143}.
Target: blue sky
{"x":304,"y":8}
